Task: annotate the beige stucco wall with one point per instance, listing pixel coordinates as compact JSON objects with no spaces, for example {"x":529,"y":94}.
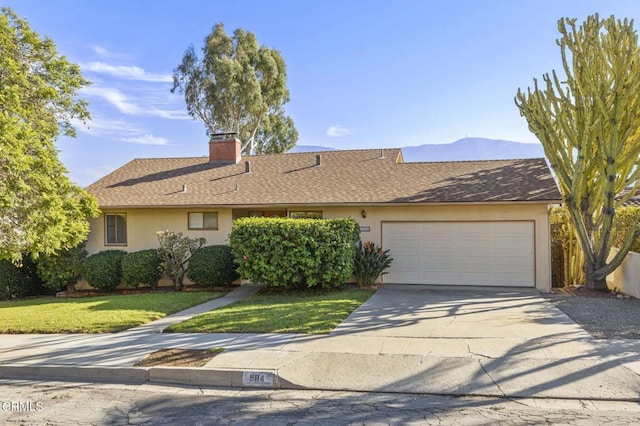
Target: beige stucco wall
{"x":142,"y":225}
{"x":626,"y":278}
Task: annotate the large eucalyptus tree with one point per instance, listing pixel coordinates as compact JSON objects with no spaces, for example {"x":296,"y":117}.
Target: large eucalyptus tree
{"x":238,"y":86}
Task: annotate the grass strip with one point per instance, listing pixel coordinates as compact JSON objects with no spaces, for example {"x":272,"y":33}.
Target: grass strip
{"x":278,"y":311}
{"x":103,"y":314}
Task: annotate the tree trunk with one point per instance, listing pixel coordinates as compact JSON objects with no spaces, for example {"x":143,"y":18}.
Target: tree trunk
{"x":591,"y":281}
{"x":180,"y":279}
{"x":177,"y":284}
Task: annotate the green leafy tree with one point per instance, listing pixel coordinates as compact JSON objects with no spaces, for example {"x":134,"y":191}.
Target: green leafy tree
{"x":175,"y":251}
{"x":238,"y":86}
{"x":588,"y":121}
{"x":41,"y":211}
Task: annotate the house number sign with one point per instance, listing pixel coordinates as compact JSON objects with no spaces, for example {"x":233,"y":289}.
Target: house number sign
{"x":257,"y":378}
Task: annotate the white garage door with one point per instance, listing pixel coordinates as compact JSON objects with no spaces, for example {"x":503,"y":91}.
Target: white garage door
{"x":460,"y":253}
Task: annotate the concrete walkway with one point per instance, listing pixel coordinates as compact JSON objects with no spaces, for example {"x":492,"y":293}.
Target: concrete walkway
{"x":158,"y":326}
{"x":420,"y":339}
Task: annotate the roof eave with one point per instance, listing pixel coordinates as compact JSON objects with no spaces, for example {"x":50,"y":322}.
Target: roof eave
{"x":349,"y":204}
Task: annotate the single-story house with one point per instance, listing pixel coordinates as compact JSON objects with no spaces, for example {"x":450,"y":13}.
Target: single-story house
{"x":452,"y":223}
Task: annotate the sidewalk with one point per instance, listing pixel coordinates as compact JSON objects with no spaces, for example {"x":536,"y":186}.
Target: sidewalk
{"x":571,"y":366}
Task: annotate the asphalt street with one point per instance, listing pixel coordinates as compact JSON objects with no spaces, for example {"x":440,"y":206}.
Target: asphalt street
{"x":51,"y":403}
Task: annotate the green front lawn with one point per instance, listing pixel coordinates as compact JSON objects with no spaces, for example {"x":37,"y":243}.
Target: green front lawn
{"x":278,"y":311}
{"x":104,"y":314}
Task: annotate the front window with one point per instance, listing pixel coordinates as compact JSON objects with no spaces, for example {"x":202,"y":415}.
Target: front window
{"x":203,"y":220}
{"x":115,"y":229}
{"x":306,"y":215}
{"x":267,"y":214}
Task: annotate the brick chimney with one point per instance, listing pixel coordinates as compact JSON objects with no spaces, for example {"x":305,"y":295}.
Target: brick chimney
{"x":225,"y":148}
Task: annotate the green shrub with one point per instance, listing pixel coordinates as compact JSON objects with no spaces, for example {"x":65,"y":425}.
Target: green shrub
{"x":566,"y":253}
{"x":12,"y":283}
{"x":175,"y":251}
{"x":624,"y":221}
{"x":62,"y":270}
{"x":295,"y":252}
{"x":141,"y":268}
{"x":212,"y":266}
{"x":370,"y":262}
{"x":20,"y":281}
{"x":103,"y":270}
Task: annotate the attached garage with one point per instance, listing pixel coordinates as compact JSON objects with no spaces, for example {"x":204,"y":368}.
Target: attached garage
{"x":485,"y":253}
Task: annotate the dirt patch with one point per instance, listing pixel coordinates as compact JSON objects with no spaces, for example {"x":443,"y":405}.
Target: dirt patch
{"x":142,"y":290}
{"x":583,"y":291}
{"x":603,"y":314}
{"x":173,"y":357}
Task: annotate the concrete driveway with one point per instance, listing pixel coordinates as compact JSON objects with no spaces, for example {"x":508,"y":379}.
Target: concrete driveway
{"x":459,"y":313}
{"x":502,"y":342}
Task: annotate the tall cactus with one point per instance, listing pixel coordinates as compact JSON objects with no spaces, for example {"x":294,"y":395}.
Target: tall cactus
{"x":588,"y":122}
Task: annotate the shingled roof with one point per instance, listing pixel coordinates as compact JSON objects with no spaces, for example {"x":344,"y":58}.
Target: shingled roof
{"x":371,"y":176}
{"x":633,"y":201}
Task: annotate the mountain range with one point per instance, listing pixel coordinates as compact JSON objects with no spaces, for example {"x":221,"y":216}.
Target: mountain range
{"x":463,"y":149}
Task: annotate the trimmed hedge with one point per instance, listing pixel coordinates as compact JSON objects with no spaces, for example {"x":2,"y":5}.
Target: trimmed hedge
{"x":284,"y":252}
{"x":103,"y":270}
{"x":212,"y":265}
{"x":141,"y":268}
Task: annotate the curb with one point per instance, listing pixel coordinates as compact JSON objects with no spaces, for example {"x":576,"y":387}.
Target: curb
{"x":208,"y":377}
{"x":228,"y":378}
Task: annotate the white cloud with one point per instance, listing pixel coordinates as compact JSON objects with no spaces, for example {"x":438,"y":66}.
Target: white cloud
{"x":126,"y":106}
{"x":104,"y":127}
{"x":128,"y":72}
{"x":172,"y":115}
{"x":102,"y":51}
{"x":146,"y":140}
{"x":114,"y":97}
{"x":338,"y":131}
{"x":106,"y":53}
{"x":118,"y":130}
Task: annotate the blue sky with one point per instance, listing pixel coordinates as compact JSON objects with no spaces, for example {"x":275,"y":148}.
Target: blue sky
{"x":362,"y":74}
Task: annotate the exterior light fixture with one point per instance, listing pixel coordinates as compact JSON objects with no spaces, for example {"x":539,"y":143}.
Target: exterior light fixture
{"x":363,"y":214}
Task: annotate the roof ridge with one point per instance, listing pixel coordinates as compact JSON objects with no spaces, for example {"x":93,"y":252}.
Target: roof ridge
{"x":340,"y":150}
{"x":170,"y":158}
{"x":493,"y":160}
{"x":268,"y":155}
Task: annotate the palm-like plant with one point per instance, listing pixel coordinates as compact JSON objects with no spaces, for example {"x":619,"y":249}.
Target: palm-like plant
{"x":370,"y":262}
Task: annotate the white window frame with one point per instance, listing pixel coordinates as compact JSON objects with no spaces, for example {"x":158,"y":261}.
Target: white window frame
{"x":106,"y":229}
{"x":202,"y":221}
